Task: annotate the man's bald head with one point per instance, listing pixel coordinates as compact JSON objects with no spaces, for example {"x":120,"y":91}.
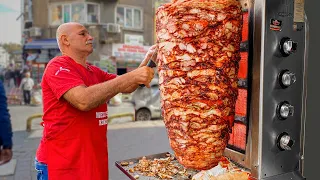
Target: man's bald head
{"x":73,"y":37}
{"x":65,"y":29}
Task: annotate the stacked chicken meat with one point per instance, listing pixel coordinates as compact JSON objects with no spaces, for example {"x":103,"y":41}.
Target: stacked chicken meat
{"x":199,"y":50}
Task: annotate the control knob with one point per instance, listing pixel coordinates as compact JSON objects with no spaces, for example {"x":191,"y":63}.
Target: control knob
{"x":287,"y":78}
{"x":285,"y":142}
{"x":287,"y":46}
{"x":284,"y":110}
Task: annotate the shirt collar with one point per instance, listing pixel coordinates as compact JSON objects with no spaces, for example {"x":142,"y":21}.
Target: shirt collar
{"x":89,"y":68}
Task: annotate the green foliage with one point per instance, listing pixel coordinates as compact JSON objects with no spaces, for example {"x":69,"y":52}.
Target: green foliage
{"x":11,"y":48}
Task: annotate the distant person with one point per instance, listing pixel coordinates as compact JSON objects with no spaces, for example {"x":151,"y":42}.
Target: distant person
{"x":18,"y":77}
{"x":74,"y":143}
{"x":2,"y":75}
{"x":5,"y":129}
{"x":8,"y":77}
{"x":26,"y":85}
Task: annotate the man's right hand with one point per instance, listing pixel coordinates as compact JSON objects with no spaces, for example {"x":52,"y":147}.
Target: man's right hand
{"x":142,"y":75}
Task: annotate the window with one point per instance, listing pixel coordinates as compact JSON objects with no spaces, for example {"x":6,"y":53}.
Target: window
{"x":129,"y":17}
{"x":56,"y":14}
{"x":120,"y":16}
{"x":93,"y":13}
{"x":78,"y":13}
{"x":75,"y":12}
{"x":137,"y":18}
{"x":67,"y":13}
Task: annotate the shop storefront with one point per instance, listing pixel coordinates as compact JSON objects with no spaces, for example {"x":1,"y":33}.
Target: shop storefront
{"x":37,"y":55}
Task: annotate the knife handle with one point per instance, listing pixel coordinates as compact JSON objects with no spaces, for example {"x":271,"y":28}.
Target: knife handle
{"x":150,"y":64}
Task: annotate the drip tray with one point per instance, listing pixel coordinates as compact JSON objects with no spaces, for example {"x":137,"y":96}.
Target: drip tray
{"x":166,"y":166}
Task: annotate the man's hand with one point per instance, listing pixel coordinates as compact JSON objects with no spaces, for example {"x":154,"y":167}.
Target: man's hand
{"x":5,"y":156}
{"x":149,"y":54}
{"x":142,"y":75}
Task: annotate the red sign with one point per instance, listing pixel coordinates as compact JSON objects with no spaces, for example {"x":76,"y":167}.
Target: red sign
{"x":129,"y":52}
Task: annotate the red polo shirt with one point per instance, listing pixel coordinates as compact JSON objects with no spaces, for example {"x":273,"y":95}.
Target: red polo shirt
{"x":74,"y":143}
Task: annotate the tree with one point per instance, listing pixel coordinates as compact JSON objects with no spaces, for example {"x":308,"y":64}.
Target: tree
{"x":11,"y":48}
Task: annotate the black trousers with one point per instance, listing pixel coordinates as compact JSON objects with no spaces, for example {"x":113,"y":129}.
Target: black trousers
{"x":27,"y":96}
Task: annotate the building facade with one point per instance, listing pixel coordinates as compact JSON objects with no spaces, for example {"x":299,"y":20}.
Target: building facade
{"x":4,"y":58}
{"x":123,"y":30}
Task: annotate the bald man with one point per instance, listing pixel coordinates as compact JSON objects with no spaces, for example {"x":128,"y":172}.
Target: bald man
{"x":74,"y":144}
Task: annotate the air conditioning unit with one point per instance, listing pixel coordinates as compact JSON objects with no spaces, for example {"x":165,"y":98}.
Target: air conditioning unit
{"x":27,"y":24}
{"x":35,"y":32}
{"x":113,"y":28}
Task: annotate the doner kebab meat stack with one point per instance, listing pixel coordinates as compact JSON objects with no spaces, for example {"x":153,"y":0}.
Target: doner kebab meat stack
{"x":199,"y":50}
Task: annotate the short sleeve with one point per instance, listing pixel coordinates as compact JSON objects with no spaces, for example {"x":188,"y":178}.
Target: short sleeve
{"x":108,"y":76}
{"x":61,"y":76}
{"x":104,"y":75}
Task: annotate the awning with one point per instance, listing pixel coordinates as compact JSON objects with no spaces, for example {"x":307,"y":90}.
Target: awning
{"x":42,"y":44}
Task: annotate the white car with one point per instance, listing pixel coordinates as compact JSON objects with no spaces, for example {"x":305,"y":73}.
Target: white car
{"x":147,"y":102}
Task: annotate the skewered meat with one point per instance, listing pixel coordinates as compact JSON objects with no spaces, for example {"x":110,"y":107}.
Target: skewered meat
{"x":198,"y":62}
{"x":162,"y":168}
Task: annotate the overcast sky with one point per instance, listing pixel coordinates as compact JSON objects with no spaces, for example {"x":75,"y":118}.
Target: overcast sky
{"x":10,"y":28}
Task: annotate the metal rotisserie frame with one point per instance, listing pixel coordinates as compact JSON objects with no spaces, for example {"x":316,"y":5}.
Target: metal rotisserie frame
{"x":271,"y":22}
{"x":265,"y":63}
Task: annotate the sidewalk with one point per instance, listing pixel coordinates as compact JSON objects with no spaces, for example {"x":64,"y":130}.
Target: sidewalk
{"x":23,"y":153}
{"x":24,"y":148}
{"x":126,"y":140}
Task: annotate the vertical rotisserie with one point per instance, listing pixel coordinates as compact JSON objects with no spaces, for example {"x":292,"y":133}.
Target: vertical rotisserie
{"x":198,"y":62}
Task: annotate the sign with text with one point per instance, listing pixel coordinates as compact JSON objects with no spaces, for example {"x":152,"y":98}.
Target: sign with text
{"x":133,"y":39}
{"x":129,"y":52}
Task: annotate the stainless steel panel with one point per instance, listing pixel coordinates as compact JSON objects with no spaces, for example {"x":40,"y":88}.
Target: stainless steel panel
{"x":288,"y":176}
{"x":304,"y":97}
{"x":257,"y":103}
{"x":263,"y":157}
{"x":274,"y":161}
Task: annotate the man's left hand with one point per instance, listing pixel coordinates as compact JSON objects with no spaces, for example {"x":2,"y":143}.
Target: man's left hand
{"x":5,"y":156}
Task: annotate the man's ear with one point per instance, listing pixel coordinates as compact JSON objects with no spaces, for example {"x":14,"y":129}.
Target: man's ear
{"x":65,"y":40}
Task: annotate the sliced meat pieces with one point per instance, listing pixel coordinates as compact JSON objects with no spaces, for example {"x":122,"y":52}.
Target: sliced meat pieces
{"x":198,"y":62}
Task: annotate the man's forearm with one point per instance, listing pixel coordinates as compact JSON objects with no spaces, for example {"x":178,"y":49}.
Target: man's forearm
{"x":130,"y":89}
{"x":87,"y":98}
{"x":98,"y":94}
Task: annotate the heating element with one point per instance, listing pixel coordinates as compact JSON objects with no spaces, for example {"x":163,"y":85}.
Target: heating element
{"x":268,"y":134}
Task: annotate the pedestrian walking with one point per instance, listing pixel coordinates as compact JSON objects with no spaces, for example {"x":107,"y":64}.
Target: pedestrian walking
{"x":26,"y":85}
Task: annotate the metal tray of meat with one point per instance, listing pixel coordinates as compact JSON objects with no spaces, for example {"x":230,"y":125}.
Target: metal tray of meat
{"x":171,"y":170}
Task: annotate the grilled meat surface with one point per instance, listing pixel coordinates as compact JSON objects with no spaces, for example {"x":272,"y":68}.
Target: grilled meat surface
{"x":199,"y":51}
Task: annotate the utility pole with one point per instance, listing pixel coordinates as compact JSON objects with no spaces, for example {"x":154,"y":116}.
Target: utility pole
{"x":25,"y":17}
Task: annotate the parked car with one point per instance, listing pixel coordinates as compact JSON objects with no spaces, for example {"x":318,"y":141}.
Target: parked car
{"x":146,"y":102}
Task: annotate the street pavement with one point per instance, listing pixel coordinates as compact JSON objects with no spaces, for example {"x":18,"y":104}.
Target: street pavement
{"x":126,"y":140}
